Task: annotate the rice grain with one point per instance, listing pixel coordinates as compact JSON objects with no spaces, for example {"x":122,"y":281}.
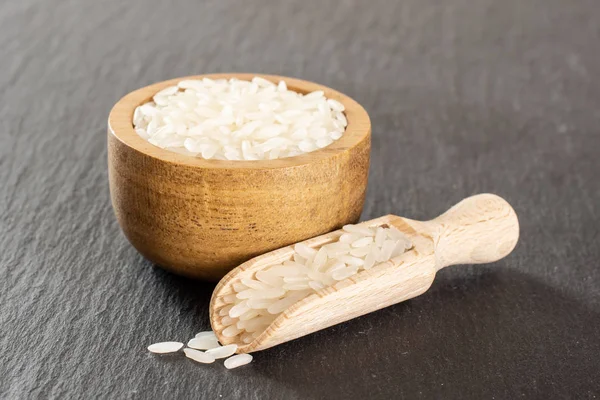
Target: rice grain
{"x":237,"y":361}
{"x":223,"y":351}
{"x":199,"y":356}
{"x":203,"y":343}
{"x":165,"y":347}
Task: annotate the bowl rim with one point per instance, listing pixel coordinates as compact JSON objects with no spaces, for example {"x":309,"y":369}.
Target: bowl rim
{"x":120,"y":125}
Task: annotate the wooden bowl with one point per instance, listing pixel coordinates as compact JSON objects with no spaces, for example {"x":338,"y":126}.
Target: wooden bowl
{"x":201,"y":218}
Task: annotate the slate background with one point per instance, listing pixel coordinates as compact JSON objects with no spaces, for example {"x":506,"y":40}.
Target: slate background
{"x":465,"y":97}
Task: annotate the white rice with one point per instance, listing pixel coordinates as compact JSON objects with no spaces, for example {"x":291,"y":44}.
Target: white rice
{"x":239,"y":120}
{"x":223,"y":351}
{"x":165,"y":347}
{"x":203,"y":334}
{"x":237,"y":361}
{"x":258,"y":301}
{"x":205,"y":341}
{"x":199,"y":356}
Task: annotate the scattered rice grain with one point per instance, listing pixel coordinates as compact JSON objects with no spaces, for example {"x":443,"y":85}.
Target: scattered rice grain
{"x":199,"y":356}
{"x":237,"y":361}
{"x":223,"y":351}
{"x":165,"y":347}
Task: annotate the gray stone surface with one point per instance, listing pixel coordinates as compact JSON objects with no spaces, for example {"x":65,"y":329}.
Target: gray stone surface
{"x":465,"y":97}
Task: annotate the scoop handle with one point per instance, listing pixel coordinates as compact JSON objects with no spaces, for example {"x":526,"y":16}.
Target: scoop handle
{"x":480,"y":229}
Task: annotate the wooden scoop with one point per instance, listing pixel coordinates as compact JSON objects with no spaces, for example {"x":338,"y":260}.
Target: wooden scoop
{"x":479,"y":229}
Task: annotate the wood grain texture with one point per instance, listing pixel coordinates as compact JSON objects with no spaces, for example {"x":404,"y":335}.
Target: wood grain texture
{"x":480,"y":229}
{"x":464,"y":97}
{"x":200,"y":218}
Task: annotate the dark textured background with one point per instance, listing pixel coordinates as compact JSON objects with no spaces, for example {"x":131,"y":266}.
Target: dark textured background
{"x":464,"y":96}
